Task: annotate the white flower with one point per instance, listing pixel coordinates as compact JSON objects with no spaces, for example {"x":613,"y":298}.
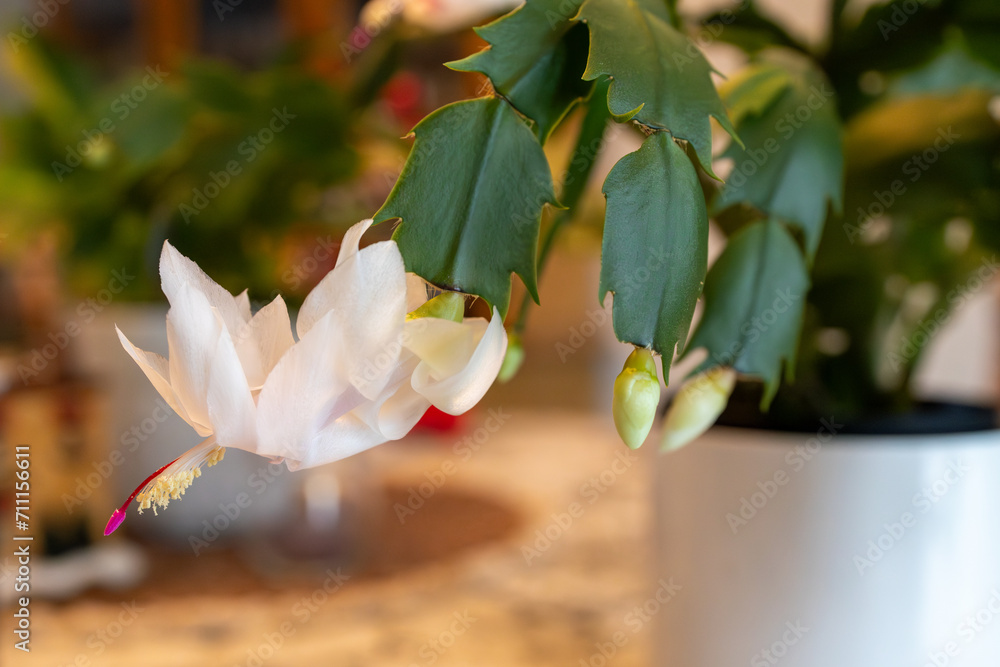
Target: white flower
{"x":363,"y":371}
{"x":368,"y":373}
{"x":437,"y":16}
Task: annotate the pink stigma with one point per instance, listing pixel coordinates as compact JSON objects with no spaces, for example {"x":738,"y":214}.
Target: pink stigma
{"x":118,"y":516}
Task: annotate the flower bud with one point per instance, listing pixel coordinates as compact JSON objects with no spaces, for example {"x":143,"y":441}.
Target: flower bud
{"x":698,"y":403}
{"x":512,"y":359}
{"x":447,"y":306}
{"x":636,"y":397}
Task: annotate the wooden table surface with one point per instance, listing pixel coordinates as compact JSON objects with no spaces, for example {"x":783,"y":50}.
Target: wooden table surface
{"x":555,"y":588}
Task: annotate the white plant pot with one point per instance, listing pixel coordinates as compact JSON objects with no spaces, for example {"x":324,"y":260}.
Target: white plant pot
{"x":812,"y":550}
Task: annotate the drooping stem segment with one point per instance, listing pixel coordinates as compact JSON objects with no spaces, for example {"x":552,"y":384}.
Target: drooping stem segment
{"x":589,"y":142}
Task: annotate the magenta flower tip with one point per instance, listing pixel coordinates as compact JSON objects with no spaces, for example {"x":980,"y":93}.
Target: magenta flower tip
{"x":117,"y":517}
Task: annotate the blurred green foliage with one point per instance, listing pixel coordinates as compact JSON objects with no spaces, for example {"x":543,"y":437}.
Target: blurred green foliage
{"x":221,"y":162}
{"x":915,"y":237}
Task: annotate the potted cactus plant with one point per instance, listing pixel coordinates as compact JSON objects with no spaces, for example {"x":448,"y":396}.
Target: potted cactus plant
{"x":858,"y":194}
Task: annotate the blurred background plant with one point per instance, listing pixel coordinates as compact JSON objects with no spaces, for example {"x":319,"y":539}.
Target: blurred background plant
{"x":261,"y":151}
{"x":916,"y":233}
{"x":115,"y":189}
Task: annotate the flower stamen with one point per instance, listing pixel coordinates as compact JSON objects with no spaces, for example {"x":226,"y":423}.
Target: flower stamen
{"x":169,"y":482}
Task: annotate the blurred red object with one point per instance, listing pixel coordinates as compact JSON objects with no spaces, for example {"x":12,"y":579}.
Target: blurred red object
{"x":435,"y":420}
{"x":404,"y":94}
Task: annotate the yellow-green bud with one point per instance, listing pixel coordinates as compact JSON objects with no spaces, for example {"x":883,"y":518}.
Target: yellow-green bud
{"x":636,"y":397}
{"x":512,"y":359}
{"x":447,"y":306}
{"x":698,"y":403}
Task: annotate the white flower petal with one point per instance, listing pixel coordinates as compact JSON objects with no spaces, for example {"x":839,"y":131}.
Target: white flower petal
{"x":416,"y":292}
{"x":445,"y":346}
{"x":297,"y":396}
{"x":157,"y":370}
{"x":230,"y":404}
{"x":354,"y":267}
{"x":448,"y":15}
{"x":262,"y":341}
{"x":456,"y":393}
{"x":367,"y":424}
{"x":176,"y":270}
{"x":397,"y":410}
{"x":322,"y":297}
{"x":400,"y":412}
{"x":345,"y":437}
{"x":366,"y":295}
{"x":352,"y":239}
{"x":193,"y":332}
{"x":326,"y":295}
{"x":350,"y":423}
{"x":243,"y":305}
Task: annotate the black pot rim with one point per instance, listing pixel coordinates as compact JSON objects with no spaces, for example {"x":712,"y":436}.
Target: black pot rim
{"x":926,"y":418}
